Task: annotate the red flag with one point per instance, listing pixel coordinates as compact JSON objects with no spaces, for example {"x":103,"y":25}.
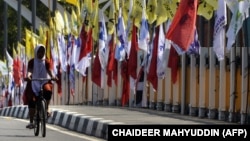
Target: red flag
{"x":173,"y":63}
{"x":132,"y":62}
{"x":86,"y":45}
{"x":111,"y":59}
{"x":152,"y":73}
{"x":17,"y":71}
{"x":126,"y":85}
{"x":96,"y":73}
{"x":115,"y":72}
{"x":183,"y":24}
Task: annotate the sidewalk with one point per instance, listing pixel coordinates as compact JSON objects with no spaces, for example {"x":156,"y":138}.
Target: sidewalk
{"x":94,"y":120}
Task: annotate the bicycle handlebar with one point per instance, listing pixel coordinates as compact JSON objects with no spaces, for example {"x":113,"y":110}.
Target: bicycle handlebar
{"x":39,"y":79}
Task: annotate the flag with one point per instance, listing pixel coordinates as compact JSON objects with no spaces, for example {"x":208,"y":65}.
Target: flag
{"x":144,"y":36}
{"x":166,"y":10}
{"x":111,"y":19}
{"x":219,"y":30}
{"x":161,"y":54}
{"x":136,"y":12}
{"x":62,"y":50}
{"x":240,"y":13}
{"x":151,"y":11}
{"x":205,"y":9}
{"x":85,"y":51}
{"x":182,"y":25}
{"x":112,"y":70}
{"x":195,"y":45}
{"x":9,"y":61}
{"x":3,"y":68}
{"x":111,"y":61}
{"x":125,"y":83}
{"x":16,"y":68}
{"x":30,"y":40}
{"x":173,"y":62}
{"x":132,"y":61}
{"x":97,"y":73}
{"x":60,"y":24}
{"x":73,"y":2}
{"x":152,"y":72}
{"x":103,"y":50}
{"x":121,"y":43}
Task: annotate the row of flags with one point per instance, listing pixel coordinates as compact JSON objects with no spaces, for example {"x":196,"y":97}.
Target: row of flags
{"x":139,"y":29}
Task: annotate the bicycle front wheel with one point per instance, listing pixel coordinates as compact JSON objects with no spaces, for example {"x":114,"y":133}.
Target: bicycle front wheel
{"x":43,"y":117}
{"x":37,"y":123}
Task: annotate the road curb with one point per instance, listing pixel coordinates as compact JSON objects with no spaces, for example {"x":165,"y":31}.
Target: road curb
{"x":77,"y":122}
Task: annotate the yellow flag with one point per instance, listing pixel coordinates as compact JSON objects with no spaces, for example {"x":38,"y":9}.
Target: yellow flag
{"x":31,"y":39}
{"x":205,"y":10}
{"x":95,"y":21}
{"x":137,"y":12}
{"x":88,"y":5}
{"x":20,"y":49}
{"x":125,"y":11}
{"x":116,"y":5}
{"x":74,"y":23}
{"x":111,"y":19}
{"x":59,"y":21}
{"x":213,"y":3}
{"x":73,"y":2}
{"x":151,"y":11}
{"x":166,"y":10}
{"x":66,"y":29}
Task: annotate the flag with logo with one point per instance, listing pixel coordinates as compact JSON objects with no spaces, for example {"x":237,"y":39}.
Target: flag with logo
{"x":219,"y":30}
{"x":240,"y":12}
{"x":182,"y":25}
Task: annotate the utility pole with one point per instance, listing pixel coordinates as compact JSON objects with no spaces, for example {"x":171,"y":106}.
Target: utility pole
{"x":19,"y":20}
{"x":33,"y":2}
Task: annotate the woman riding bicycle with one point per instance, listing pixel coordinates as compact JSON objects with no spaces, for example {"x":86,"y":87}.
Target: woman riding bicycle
{"x":38,"y":67}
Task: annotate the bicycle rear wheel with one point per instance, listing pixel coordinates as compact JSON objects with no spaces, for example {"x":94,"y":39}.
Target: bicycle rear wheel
{"x":43,"y":117}
{"x":37,"y":123}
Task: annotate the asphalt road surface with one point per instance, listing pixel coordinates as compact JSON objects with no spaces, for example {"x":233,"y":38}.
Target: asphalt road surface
{"x":13,"y":129}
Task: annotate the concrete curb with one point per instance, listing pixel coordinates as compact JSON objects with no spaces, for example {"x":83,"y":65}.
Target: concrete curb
{"x":77,"y":122}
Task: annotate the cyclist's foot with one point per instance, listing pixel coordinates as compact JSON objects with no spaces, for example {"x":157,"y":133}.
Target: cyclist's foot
{"x":30,"y":126}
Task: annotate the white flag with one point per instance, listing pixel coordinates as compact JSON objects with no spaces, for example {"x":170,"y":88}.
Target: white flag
{"x":103,"y":50}
{"x":219,"y":30}
{"x":161,"y":54}
{"x":144,"y":36}
{"x":240,"y":13}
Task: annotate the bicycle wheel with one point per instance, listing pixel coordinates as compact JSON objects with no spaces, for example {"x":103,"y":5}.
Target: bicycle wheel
{"x":37,"y":123}
{"x":43,"y":118}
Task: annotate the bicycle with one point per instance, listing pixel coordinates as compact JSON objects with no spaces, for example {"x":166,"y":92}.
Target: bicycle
{"x":40,"y":116}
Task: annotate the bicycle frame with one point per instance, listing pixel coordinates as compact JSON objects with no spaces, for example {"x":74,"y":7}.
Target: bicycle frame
{"x":41,"y":105}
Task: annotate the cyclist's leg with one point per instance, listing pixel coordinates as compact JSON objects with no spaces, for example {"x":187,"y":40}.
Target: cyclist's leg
{"x":47,"y":97}
{"x":31,"y":107}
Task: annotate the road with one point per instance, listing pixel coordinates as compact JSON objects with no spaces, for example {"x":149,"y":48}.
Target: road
{"x":13,"y":129}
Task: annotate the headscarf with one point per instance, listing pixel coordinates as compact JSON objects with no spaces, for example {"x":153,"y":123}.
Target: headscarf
{"x":39,"y":71}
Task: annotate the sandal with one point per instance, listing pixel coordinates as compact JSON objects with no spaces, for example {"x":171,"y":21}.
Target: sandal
{"x":30,"y":126}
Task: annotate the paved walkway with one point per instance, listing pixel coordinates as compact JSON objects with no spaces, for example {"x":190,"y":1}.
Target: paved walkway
{"x":94,"y":120}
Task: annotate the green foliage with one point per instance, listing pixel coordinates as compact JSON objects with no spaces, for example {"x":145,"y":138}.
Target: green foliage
{"x":41,"y":11}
